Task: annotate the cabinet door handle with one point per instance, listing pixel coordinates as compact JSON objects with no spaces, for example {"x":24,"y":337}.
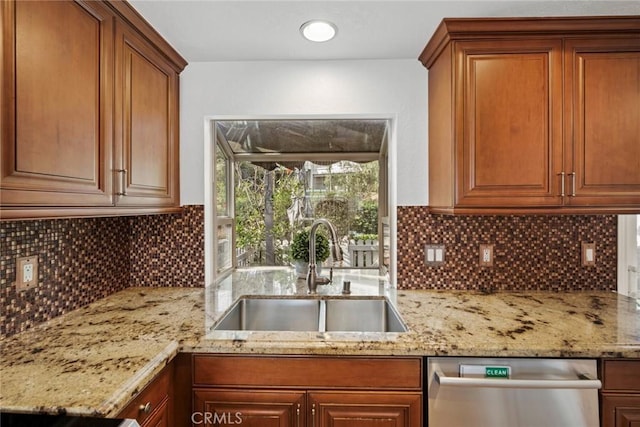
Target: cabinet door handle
{"x":146,"y":408}
{"x":561,"y":184}
{"x":313,"y":415}
{"x":123,"y":182}
{"x":298,"y":416}
{"x":573,"y":184}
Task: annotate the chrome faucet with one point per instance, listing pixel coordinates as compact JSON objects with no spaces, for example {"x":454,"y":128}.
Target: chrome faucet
{"x":313,"y":280}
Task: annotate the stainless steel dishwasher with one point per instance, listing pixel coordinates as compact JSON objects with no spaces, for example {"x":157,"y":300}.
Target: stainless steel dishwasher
{"x":479,"y":392}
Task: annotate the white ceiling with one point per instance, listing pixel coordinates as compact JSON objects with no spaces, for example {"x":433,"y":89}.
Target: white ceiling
{"x":213,"y":30}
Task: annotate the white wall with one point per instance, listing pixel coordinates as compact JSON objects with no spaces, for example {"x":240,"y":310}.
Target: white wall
{"x":307,"y":88}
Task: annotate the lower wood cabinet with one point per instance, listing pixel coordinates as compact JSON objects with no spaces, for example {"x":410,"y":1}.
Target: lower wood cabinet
{"x":266,"y":408}
{"x":620,"y":396}
{"x":365,"y":409}
{"x":292,"y":391}
{"x":153,"y":406}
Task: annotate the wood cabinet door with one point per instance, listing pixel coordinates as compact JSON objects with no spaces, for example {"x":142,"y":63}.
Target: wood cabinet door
{"x":159,"y":417}
{"x":146,"y":123}
{"x":57,"y":103}
{"x":508,"y":109}
{"x":251,"y":408}
{"x":620,"y":410}
{"x":603,"y":121}
{"x":153,"y":405}
{"x":365,"y":409}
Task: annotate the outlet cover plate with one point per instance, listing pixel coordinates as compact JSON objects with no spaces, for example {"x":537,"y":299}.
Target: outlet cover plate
{"x":486,"y":255}
{"x":23,"y":281}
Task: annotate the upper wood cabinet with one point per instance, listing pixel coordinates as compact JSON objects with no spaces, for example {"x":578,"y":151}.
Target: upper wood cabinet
{"x":89,"y":111}
{"x":534,"y":115}
{"x":56,"y":104}
{"x":602,"y":119}
{"x":146,"y":123}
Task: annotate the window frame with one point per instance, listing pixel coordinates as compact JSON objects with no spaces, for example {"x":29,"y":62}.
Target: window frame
{"x":390,"y":192}
{"x":627,"y":254}
{"x":225,"y":219}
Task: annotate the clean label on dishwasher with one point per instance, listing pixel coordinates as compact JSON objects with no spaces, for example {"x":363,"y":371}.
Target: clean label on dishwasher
{"x":485,"y":371}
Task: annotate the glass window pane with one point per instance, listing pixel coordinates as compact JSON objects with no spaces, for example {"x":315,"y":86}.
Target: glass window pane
{"x":304,"y":136}
{"x":222,"y":172}
{"x":224,"y":247}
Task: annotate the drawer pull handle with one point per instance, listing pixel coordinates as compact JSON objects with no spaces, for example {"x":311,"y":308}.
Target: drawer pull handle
{"x":561,"y":184}
{"x":313,"y":415}
{"x":146,"y":408}
{"x":298,"y":416}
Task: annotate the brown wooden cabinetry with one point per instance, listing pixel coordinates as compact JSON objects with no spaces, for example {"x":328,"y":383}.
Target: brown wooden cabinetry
{"x":307,"y":391}
{"x":620,"y":396}
{"x":56,"y":104}
{"x":534,"y":115}
{"x":603,"y":120}
{"x":365,"y":409}
{"x":153,"y":406}
{"x":146,"y":122}
{"x":89,"y":111}
{"x":268,"y":408}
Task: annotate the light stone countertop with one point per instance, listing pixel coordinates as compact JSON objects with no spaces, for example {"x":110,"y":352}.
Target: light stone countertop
{"x":455,"y":323}
{"x":92,"y":361}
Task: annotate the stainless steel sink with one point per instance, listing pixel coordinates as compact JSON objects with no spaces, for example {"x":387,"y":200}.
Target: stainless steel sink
{"x":362,"y":315}
{"x":272,"y":314}
{"x":312,"y":314}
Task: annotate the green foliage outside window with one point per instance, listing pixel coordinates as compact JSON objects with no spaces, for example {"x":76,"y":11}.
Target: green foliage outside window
{"x":351,"y":206}
{"x":366,"y":219}
{"x":300,"y":246}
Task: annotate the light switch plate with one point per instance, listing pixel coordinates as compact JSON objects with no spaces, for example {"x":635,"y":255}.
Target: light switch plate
{"x":588,"y":254}
{"x":434,"y":255}
{"x":26,"y":272}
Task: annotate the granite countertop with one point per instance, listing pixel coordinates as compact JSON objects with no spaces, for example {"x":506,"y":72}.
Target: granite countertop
{"x":454,"y":323}
{"x":92,"y":361}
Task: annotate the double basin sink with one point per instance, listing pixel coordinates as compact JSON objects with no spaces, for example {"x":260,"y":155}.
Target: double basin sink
{"x":312,"y":314}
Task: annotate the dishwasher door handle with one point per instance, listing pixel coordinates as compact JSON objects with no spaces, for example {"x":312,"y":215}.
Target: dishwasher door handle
{"x":586,"y":383}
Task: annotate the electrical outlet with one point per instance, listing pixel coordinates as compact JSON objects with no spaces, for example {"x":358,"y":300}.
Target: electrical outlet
{"x":588,"y":254}
{"x":486,"y":255}
{"x":434,"y":255}
{"x":26,"y":272}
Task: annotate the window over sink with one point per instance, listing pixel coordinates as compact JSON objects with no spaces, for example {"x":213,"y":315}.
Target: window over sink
{"x":269,"y":178}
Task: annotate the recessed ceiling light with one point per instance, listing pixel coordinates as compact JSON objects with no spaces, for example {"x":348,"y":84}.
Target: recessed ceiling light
{"x":318,"y":30}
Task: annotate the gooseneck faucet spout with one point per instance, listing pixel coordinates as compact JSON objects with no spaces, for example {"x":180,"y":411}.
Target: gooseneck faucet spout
{"x":313,"y":280}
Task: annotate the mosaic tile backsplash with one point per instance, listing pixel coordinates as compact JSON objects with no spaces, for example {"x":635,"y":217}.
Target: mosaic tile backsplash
{"x":168,"y":250}
{"x":79,"y":261}
{"x":530,"y":253}
{"x":82,"y":260}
